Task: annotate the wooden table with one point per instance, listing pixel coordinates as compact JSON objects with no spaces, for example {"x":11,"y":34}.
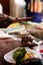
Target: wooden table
{"x":5,"y":46}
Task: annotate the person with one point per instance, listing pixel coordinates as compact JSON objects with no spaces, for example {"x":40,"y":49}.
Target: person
{"x":28,"y":13}
{"x":34,"y":8}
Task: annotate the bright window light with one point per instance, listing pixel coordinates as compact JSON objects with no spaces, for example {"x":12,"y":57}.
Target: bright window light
{"x":20,"y":2}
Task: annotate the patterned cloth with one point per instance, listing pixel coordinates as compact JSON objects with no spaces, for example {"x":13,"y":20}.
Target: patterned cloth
{"x":34,"y":8}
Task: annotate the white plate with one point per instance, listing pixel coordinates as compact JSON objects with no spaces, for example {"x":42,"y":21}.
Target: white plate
{"x":9,"y":56}
{"x":14,"y":30}
{"x":6,"y":35}
{"x":16,"y":36}
{"x":3,"y":34}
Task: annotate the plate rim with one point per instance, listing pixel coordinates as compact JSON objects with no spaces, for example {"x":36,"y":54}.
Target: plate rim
{"x":12,"y":57}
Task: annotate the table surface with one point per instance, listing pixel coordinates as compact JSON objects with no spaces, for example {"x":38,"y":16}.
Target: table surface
{"x":5,"y":46}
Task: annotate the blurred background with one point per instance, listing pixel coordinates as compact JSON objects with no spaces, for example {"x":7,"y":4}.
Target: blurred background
{"x":14,"y":7}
